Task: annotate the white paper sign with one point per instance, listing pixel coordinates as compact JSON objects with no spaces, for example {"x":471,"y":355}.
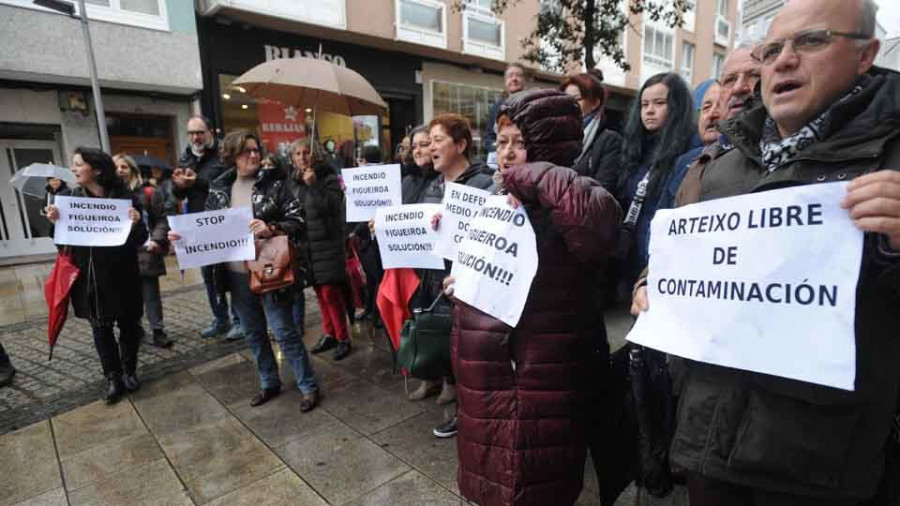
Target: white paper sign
{"x":497,"y":261}
{"x":92,"y":222}
{"x":461,"y":203}
{"x":371,"y":187}
{"x":763,"y":282}
{"x":405,"y":236}
{"x":213,"y":237}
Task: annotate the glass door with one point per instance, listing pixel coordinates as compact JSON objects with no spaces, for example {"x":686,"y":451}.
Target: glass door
{"x":23,"y":230}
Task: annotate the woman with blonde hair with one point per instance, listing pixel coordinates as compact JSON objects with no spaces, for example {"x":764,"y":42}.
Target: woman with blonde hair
{"x":152,"y":254}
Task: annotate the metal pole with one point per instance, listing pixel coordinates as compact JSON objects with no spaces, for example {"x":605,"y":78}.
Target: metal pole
{"x":95,"y":85}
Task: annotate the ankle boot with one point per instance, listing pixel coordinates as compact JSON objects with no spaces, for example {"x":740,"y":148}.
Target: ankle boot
{"x":115,"y":389}
{"x":448,"y":394}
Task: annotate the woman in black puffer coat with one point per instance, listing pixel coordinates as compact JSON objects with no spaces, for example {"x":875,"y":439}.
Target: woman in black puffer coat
{"x":317,"y":188}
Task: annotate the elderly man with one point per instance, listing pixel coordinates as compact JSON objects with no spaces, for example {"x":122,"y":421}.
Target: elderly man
{"x":514,"y":81}
{"x":751,"y":439}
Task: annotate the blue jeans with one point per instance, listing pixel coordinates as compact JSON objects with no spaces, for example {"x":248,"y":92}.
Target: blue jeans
{"x":218,"y":303}
{"x":299,"y":309}
{"x":278,"y":309}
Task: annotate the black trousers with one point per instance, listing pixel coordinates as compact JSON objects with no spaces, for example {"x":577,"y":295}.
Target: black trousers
{"x":117,"y":358}
{"x":708,"y":492}
{"x":4,"y":358}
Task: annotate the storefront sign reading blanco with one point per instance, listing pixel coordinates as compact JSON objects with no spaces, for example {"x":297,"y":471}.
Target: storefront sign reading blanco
{"x":275,"y":53}
{"x":213,"y":237}
{"x":763,"y":282}
{"x":371,"y":187}
{"x":92,"y":222}
{"x":461,"y":203}
{"x":496,"y":261}
{"x":405,"y":236}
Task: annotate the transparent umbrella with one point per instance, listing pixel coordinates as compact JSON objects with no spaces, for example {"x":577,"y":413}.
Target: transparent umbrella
{"x":32,"y":180}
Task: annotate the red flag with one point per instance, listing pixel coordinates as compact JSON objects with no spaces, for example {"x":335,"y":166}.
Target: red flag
{"x":396,"y":290}
{"x":57,"y":290}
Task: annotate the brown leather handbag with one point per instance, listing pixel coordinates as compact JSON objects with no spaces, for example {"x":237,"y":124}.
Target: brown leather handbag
{"x":275,"y":265}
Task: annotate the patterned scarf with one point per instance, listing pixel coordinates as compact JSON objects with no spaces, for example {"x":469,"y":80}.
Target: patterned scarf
{"x":777,"y":151}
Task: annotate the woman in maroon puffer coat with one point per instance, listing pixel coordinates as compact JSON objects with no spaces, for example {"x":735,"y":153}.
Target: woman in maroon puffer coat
{"x":522,"y":392}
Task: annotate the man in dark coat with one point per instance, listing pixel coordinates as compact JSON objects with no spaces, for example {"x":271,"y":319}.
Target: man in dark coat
{"x":514,"y":81}
{"x":829,"y":115}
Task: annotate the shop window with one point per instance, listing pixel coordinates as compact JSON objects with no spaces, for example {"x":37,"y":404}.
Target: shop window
{"x":422,"y":22}
{"x":472,"y":102}
{"x":687,"y":62}
{"x":483,"y":32}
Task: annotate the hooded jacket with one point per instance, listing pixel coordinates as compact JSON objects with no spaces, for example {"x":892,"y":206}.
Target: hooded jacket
{"x":522,"y":392}
{"x":325,"y":244}
{"x":784,"y":435}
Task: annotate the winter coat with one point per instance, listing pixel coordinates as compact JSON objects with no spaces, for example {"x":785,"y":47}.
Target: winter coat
{"x":780,"y":434}
{"x":155,"y":209}
{"x":489,"y":136}
{"x":193,"y":199}
{"x":323,"y":203}
{"x":108,"y":286}
{"x":272,"y":202}
{"x":601,"y":156}
{"x":208,"y":166}
{"x":415,"y":183}
{"x":522,"y":393}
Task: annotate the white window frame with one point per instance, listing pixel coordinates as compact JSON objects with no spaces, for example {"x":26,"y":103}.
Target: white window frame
{"x":111,"y":14}
{"x":687,"y":71}
{"x":479,"y":47}
{"x":418,"y":34}
{"x":717,"y":57}
{"x":722,"y":8}
{"x":654,"y":59}
{"x":719,"y":39}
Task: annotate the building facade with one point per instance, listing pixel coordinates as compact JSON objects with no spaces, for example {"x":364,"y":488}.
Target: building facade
{"x":422,"y":56}
{"x":148,"y":63}
{"x":696,"y":50}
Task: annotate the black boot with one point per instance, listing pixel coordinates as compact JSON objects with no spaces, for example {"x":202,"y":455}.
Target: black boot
{"x":131,"y":382}
{"x":326,"y":343}
{"x":161,"y":340}
{"x":116,"y":389}
{"x":7,"y":371}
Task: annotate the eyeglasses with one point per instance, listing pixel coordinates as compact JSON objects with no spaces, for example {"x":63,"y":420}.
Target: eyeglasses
{"x":250,"y":151}
{"x":192,"y":133}
{"x":808,"y":41}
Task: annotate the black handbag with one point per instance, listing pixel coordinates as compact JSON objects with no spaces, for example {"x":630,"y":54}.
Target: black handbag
{"x":425,"y":343}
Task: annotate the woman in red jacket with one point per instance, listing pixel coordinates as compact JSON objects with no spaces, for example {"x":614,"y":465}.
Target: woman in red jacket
{"x":522,"y":392}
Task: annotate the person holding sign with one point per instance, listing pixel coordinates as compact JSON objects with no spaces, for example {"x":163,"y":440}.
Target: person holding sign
{"x":523,"y":390}
{"x":107,"y":292}
{"x":828,"y":115}
{"x":275,"y":212}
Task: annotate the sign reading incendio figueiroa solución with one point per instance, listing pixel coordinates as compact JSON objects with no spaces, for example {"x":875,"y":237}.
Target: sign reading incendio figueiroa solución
{"x":369,"y":188}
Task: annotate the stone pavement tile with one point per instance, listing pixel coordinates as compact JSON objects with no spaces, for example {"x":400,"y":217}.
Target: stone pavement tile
{"x":31,"y":280}
{"x":216,"y":458}
{"x":340,"y":464}
{"x":99,"y":463}
{"x":150,"y":485}
{"x":53,"y":498}
{"x":368,"y":408}
{"x":96,"y":424}
{"x":177,"y":403}
{"x":28,"y":465}
{"x":590,"y":476}
{"x":280,"y":421}
{"x":374,"y":365}
{"x":11,"y":308}
{"x":283,"y":487}
{"x":234,"y":380}
{"x":413,"y":441}
{"x":330,"y":377}
{"x":411,"y":489}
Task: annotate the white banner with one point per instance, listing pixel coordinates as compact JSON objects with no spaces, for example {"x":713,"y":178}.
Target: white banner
{"x":763,"y":282}
{"x":496,"y":261}
{"x":213,"y":237}
{"x":368,"y":188}
{"x":85,"y":221}
{"x":461,"y":203}
{"x":405,"y":237}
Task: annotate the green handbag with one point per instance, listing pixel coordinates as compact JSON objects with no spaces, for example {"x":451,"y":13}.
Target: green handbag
{"x":425,"y":343}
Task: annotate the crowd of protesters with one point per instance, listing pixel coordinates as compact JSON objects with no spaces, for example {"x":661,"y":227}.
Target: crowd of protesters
{"x":805,"y":105}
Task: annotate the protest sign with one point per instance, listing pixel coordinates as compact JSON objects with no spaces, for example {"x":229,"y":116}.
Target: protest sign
{"x":496,"y":261}
{"x":461,"y":203}
{"x":756,"y":281}
{"x":405,"y":236}
{"x":371,"y":187}
{"x":92,"y":222}
{"x":213,"y":237}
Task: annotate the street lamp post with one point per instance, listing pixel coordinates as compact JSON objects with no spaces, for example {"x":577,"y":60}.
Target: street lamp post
{"x":68,"y":8}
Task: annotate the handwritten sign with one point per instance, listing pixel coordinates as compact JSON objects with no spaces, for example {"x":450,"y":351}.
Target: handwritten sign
{"x":756,"y":281}
{"x":461,"y":203}
{"x":213,"y":237}
{"x":369,"y":188}
{"x":405,"y":236}
{"x":85,"y":221}
{"x":496,"y":261}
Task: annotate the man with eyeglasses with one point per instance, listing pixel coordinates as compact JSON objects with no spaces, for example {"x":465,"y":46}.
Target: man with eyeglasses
{"x":199,"y":166}
{"x":828,"y":114}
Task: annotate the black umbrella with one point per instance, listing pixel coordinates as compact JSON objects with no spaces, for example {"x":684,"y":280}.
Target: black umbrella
{"x":149,"y":161}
